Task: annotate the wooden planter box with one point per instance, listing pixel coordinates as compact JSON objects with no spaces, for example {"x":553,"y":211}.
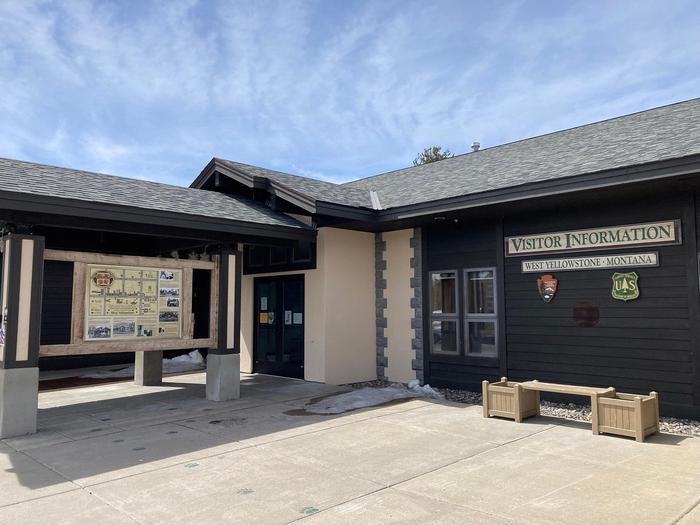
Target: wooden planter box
{"x":631,"y":415}
{"x":509,"y":399}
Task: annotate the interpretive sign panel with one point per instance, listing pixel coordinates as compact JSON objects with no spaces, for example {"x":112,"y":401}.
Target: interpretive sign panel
{"x":125,"y":302}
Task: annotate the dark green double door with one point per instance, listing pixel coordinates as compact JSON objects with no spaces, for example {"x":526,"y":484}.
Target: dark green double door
{"x":279,"y":326}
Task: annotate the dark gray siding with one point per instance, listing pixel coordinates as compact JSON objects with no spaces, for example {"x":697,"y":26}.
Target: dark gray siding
{"x":56,"y":303}
{"x":457,"y":246}
{"x":637,"y":346}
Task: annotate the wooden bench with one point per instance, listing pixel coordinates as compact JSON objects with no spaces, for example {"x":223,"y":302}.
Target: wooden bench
{"x":632,"y":415}
{"x":574,"y":390}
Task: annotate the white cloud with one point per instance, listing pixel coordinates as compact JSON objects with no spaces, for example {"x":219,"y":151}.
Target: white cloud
{"x":103,"y":150}
{"x":331,"y":90}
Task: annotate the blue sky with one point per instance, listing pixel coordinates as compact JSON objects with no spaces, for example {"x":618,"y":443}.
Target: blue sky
{"x":330,"y":89}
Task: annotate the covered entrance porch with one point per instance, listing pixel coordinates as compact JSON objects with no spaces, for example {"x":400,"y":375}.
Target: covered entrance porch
{"x":122,"y":266}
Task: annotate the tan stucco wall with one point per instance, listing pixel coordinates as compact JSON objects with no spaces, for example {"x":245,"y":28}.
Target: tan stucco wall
{"x":398,"y":312}
{"x":338,"y":310}
{"x":348,"y":265}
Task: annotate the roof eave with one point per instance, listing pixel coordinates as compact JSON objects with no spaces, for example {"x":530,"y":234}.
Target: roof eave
{"x":343,"y":211}
{"x":24,"y":202}
{"x":276,"y":188}
{"x":590,"y":181}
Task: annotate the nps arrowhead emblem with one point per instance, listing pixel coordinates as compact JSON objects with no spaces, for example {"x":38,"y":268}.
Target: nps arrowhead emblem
{"x":547,"y":286}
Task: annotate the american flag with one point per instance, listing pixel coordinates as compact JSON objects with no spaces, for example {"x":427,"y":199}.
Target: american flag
{"x":2,"y":336}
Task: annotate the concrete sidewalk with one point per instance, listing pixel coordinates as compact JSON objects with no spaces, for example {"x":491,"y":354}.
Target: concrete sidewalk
{"x":119,"y":453}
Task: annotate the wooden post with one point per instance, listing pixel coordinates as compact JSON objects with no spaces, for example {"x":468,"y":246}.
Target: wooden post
{"x":77,"y":331}
{"x":223,"y":360}
{"x":656,"y":408}
{"x":594,"y":413}
{"x":485,"y":397}
{"x":186,"y":304}
{"x":214,"y":302}
{"x":20,"y":315}
{"x":638,"y":421}
{"x":518,"y":404}
{"x":537,"y":400}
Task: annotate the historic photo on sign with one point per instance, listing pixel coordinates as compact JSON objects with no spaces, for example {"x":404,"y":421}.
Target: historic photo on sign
{"x":169,"y":292}
{"x":99,"y":328}
{"x":168,"y":275}
{"x":124,"y":328}
{"x":168,"y":317}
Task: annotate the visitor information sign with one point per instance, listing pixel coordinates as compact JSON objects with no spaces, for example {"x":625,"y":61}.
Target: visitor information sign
{"x":124,"y":302}
{"x":629,"y":236}
{"x":595,"y":262}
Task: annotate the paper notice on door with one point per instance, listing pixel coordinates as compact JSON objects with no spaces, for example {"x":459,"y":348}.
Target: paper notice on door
{"x":263,"y":317}
{"x":263,"y":303}
{"x":298,"y":318}
{"x":287,"y":317}
{"x":271,"y":318}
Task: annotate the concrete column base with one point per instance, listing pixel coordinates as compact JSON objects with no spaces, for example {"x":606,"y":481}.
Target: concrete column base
{"x":223,"y":377}
{"x":19,"y":398}
{"x":148,"y":368}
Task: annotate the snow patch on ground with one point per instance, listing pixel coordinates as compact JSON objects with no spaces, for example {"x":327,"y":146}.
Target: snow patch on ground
{"x":181,"y":363}
{"x":369,"y":397}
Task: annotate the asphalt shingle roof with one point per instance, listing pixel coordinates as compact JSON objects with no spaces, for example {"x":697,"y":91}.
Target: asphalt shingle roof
{"x":314,"y":188}
{"x":653,"y":135}
{"x":38,"y":179}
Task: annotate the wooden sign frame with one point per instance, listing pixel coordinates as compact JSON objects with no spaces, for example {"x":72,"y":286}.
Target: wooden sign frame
{"x":78,"y":345}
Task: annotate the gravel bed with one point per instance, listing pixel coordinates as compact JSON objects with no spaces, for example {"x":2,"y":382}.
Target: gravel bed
{"x":671,"y":425}
{"x":377,"y":383}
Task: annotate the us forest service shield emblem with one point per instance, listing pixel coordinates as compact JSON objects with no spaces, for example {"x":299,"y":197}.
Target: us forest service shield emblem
{"x":625,"y":286}
{"x":547,"y":286}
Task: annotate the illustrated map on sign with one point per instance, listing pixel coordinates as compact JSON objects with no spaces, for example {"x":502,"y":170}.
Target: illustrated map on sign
{"x":132,"y":302}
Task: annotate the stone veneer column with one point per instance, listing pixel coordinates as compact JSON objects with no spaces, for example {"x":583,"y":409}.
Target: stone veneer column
{"x":380,"y":286}
{"x":417,"y":303}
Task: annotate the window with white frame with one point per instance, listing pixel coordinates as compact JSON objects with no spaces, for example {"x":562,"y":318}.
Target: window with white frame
{"x":444,"y":318}
{"x":480,"y":318}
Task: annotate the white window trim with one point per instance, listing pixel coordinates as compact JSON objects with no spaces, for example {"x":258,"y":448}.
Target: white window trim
{"x":454,"y":317}
{"x":479,"y":317}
